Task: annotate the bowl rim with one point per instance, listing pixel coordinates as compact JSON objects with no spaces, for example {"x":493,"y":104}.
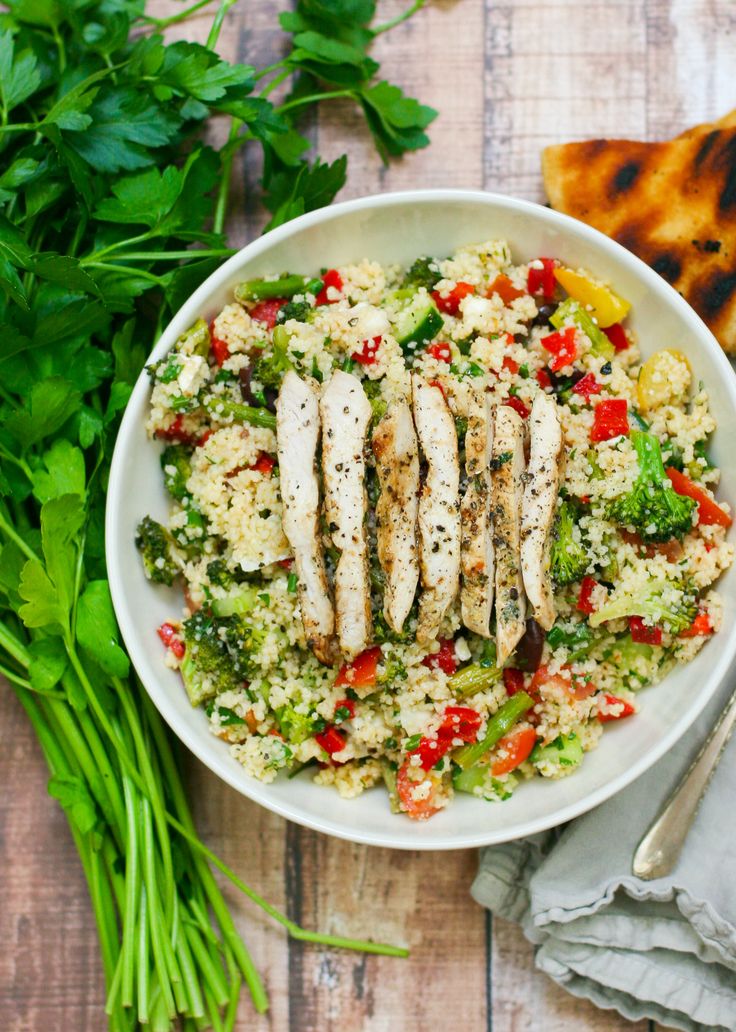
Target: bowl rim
{"x":400,"y":838}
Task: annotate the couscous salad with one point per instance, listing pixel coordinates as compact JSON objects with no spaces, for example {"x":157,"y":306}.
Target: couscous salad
{"x":434,"y":526}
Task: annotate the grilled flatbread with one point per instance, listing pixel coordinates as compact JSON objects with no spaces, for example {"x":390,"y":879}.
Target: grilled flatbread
{"x":673,"y":204}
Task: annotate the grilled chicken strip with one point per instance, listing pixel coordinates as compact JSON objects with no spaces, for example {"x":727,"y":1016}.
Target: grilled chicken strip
{"x":297,"y":434}
{"x":439,"y":508}
{"x":346,"y":413}
{"x":397,"y":464}
{"x":506,"y":494}
{"x":539,"y":504}
{"x":476,"y":543}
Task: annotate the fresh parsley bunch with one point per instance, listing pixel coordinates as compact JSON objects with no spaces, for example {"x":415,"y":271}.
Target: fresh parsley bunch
{"x":111,"y":212}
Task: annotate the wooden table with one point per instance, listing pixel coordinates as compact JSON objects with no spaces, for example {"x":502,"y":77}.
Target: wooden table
{"x":508,"y":77}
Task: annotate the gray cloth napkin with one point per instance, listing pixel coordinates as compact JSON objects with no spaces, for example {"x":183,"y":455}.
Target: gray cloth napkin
{"x":663,"y":949}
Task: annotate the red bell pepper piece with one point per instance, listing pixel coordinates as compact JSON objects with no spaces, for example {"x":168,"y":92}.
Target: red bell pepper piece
{"x":266,"y":311}
{"x":331,"y":740}
{"x":449,"y":303}
{"x":505,"y":289}
{"x":264,"y":464}
{"x":286,"y":564}
{"x":709,"y":511}
{"x":515,"y":748}
{"x":562,"y":345}
{"x":643,"y":633}
{"x":170,"y":637}
{"x":513,"y":680}
{"x":361,"y":673}
{"x":176,"y":432}
{"x":511,"y":365}
{"x":700,"y":625}
{"x":543,"y":379}
{"x":585,"y":603}
{"x":444,"y":660}
{"x":542,"y":281}
{"x":344,"y":709}
{"x":331,"y":278}
{"x":610,"y":419}
{"x":587,"y":386}
{"x":441,"y":351}
{"x":613,"y":700}
{"x":617,"y":336}
{"x":460,"y":722}
{"x":518,"y":406}
{"x":369,"y":352}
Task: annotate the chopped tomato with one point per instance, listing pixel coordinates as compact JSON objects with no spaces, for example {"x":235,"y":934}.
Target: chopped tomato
{"x":449,"y":303}
{"x":587,"y":386}
{"x":513,"y":680}
{"x":513,"y":748}
{"x":511,"y":365}
{"x":285,"y":563}
{"x":407,"y":780}
{"x":543,"y":379}
{"x":505,"y":289}
{"x":361,"y":673}
{"x":331,"y":278}
{"x":709,"y":511}
{"x":331,"y":740}
{"x":176,"y":432}
{"x":266,"y":311}
{"x":610,"y":419}
{"x":563,"y":681}
{"x":170,"y":637}
{"x":219,"y":348}
{"x":613,"y":700}
{"x":444,"y":660}
{"x":264,"y":464}
{"x":700,"y":625}
{"x":542,"y":281}
{"x":204,"y":438}
{"x":585,"y":603}
{"x":617,"y":336}
{"x":369,"y":352}
{"x":440,"y":351}
{"x":644,"y":633}
{"x":562,"y":345}
{"x":460,"y":722}
{"x":439,"y":386}
{"x":344,"y":709}
{"x":517,"y":405}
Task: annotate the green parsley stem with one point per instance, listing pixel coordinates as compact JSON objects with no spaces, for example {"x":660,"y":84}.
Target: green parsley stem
{"x":140,"y":273}
{"x":387,"y":26}
{"x":313,"y":98}
{"x":276,"y":81}
{"x":170,"y":256}
{"x":174,"y":19}
{"x":226,"y":175}
{"x":214,"y":34}
{"x":21,"y":682}
{"x":11,"y":533}
{"x":13,"y":647}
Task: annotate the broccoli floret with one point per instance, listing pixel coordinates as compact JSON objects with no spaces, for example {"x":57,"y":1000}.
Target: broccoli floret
{"x":191,"y":537}
{"x":373,"y":392}
{"x":219,"y":573}
{"x":156,"y":547}
{"x":299,"y":310}
{"x":220,"y":654}
{"x":653,"y":508}
{"x":569,"y":558}
{"x":423,"y":273}
{"x":270,"y":369}
{"x":671,"y":604}
{"x":177,"y":467}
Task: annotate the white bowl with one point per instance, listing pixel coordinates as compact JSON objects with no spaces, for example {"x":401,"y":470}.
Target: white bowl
{"x":396,"y":228}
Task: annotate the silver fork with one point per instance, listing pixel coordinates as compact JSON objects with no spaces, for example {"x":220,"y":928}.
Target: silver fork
{"x":659,"y":850}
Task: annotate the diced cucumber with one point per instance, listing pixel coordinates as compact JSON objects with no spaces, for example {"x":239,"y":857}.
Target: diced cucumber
{"x":231,"y":605}
{"x":389,"y":780}
{"x":566,"y":750}
{"x":417,"y":321}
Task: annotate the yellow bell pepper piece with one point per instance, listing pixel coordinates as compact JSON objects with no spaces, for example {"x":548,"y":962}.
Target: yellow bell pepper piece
{"x":599,"y":301}
{"x":663,"y":379}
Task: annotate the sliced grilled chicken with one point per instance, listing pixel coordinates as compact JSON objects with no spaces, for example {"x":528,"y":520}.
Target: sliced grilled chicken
{"x":506,"y":494}
{"x":297,"y":434}
{"x":397,"y":464}
{"x":346,"y":413}
{"x":476,"y":542}
{"x":539,"y":504}
{"x":439,"y":508}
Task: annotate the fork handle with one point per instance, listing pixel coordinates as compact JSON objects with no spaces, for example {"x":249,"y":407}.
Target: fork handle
{"x":659,"y":850}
